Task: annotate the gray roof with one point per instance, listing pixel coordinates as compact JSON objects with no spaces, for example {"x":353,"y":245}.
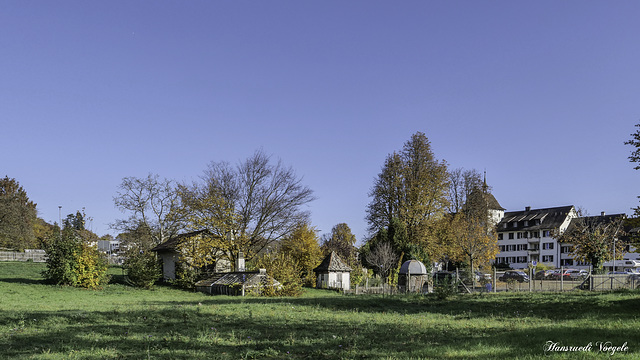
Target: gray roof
{"x":247,"y":278}
{"x":536,"y":219}
{"x":172,"y":244}
{"x":413,"y":267}
{"x":595,"y":220}
{"x":332,"y":262}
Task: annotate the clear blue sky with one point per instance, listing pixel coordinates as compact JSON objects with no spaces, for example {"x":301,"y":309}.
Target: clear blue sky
{"x":540,"y":94}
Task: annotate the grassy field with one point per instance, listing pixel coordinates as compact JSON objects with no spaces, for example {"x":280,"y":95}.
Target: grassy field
{"x":39,"y":321}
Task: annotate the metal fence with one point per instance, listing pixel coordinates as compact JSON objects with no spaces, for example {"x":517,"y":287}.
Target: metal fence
{"x":590,"y":282}
{"x":35,"y":256}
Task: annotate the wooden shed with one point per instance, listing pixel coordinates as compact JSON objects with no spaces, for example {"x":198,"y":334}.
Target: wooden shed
{"x":333,"y":273}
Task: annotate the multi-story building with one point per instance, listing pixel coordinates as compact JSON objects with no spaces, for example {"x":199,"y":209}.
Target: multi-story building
{"x":528,"y":235}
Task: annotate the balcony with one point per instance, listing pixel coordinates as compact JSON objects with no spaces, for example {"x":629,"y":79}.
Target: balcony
{"x":535,"y":251}
{"x":533,"y":240}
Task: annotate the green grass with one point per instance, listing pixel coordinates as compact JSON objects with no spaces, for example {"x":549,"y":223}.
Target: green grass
{"x":40,"y":321}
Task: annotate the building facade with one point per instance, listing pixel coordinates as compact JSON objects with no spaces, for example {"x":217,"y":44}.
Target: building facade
{"x":527,"y":236}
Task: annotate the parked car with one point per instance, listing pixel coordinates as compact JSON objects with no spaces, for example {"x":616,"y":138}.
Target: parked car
{"x":554,"y":275}
{"x":574,"y":274}
{"x":543,"y":274}
{"x":480,"y":276}
{"x":518,"y":276}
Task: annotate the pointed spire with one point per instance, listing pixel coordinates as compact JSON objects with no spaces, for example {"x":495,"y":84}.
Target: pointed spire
{"x":484,"y":185}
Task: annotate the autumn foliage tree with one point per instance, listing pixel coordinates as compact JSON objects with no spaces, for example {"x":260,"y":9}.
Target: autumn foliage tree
{"x":595,"y":238}
{"x":260,"y":200}
{"x":303,"y":247}
{"x":412,"y":187}
{"x":73,"y":261}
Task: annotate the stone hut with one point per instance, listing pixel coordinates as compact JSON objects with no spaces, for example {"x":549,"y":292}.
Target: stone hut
{"x":333,"y":273}
{"x":413,"y":276}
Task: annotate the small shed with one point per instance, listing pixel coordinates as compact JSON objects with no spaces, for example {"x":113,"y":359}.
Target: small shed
{"x":413,"y":276}
{"x":236,"y":283}
{"x":333,"y":273}
{"x":169,"y":254}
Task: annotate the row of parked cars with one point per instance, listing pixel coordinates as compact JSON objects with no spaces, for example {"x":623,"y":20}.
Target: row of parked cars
{"x":567,"y":274}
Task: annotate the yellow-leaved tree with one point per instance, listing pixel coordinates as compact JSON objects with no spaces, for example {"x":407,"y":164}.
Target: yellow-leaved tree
{"x":472,"y":234}
{"x":303,"y":247}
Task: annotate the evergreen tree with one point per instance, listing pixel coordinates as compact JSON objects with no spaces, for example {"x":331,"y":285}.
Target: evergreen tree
{"x":17,"y":216}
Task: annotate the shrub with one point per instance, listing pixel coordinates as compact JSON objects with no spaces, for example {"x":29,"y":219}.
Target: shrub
{"x":73,"y":262}
{"x":142,"y":268}
{"x":91,"y":268}
{"x":444,"y":288}
{"x":61,"y":261}
{"x":285,"y":270}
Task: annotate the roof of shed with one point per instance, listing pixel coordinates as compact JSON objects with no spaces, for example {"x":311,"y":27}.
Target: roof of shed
{"x":240,"y":278}
{"x":332,"y":262}
{"x":172,"y":243}
{"x":413,"y":267}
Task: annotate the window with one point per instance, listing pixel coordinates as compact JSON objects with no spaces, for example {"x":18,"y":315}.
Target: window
{"x":526,"y":223}
{"x":566,"y":262}
{"x":547,"y":258}
{"x":511,"y":247}
{"x":522,"y":259}
{"x":566,"y":249}
{"x":546,"y":233}
{"x":501,"y":248}
{"x":535,"y":234}
{"x":522,"y":247}
{"x":510,"y":236}
{"x":514,"y":224}
{"x":500,"y":236}
{"x":547,"y":246}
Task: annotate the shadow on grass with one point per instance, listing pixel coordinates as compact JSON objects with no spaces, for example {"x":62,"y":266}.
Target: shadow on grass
{"x":552,"y":306}
{"x":17,"y":280}
{"x":188,"y":332}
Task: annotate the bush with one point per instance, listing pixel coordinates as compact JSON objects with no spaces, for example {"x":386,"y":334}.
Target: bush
{"x":444,"y":288}
{"x":285,"y":270}
{"x":61,"y":252}
{"x":142,"y":268}
{"x":91,"y":268}
{"x":186,"y":276}
{"x":73,"y":262}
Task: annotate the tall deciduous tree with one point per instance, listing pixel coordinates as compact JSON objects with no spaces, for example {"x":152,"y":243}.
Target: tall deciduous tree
{"x":635,"y":155}
{"x":150,"y":201}
{"x":461,"y":184}
{"x":17,"y":216}
{"x":266,"y":199}
{"x":595,"y":238}
{"x":413,"y":188}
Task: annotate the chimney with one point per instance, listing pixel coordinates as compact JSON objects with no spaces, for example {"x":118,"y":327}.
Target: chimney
{"x":602,"y":213}
{"x":527,"y":208}
{"x":240,"y":262}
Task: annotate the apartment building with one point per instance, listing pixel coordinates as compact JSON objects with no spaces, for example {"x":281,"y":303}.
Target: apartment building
{"x":526,"y":236}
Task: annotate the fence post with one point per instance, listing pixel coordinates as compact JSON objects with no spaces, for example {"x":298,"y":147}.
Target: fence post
{"x":494,"y":280}
{"x":561,"y":278}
